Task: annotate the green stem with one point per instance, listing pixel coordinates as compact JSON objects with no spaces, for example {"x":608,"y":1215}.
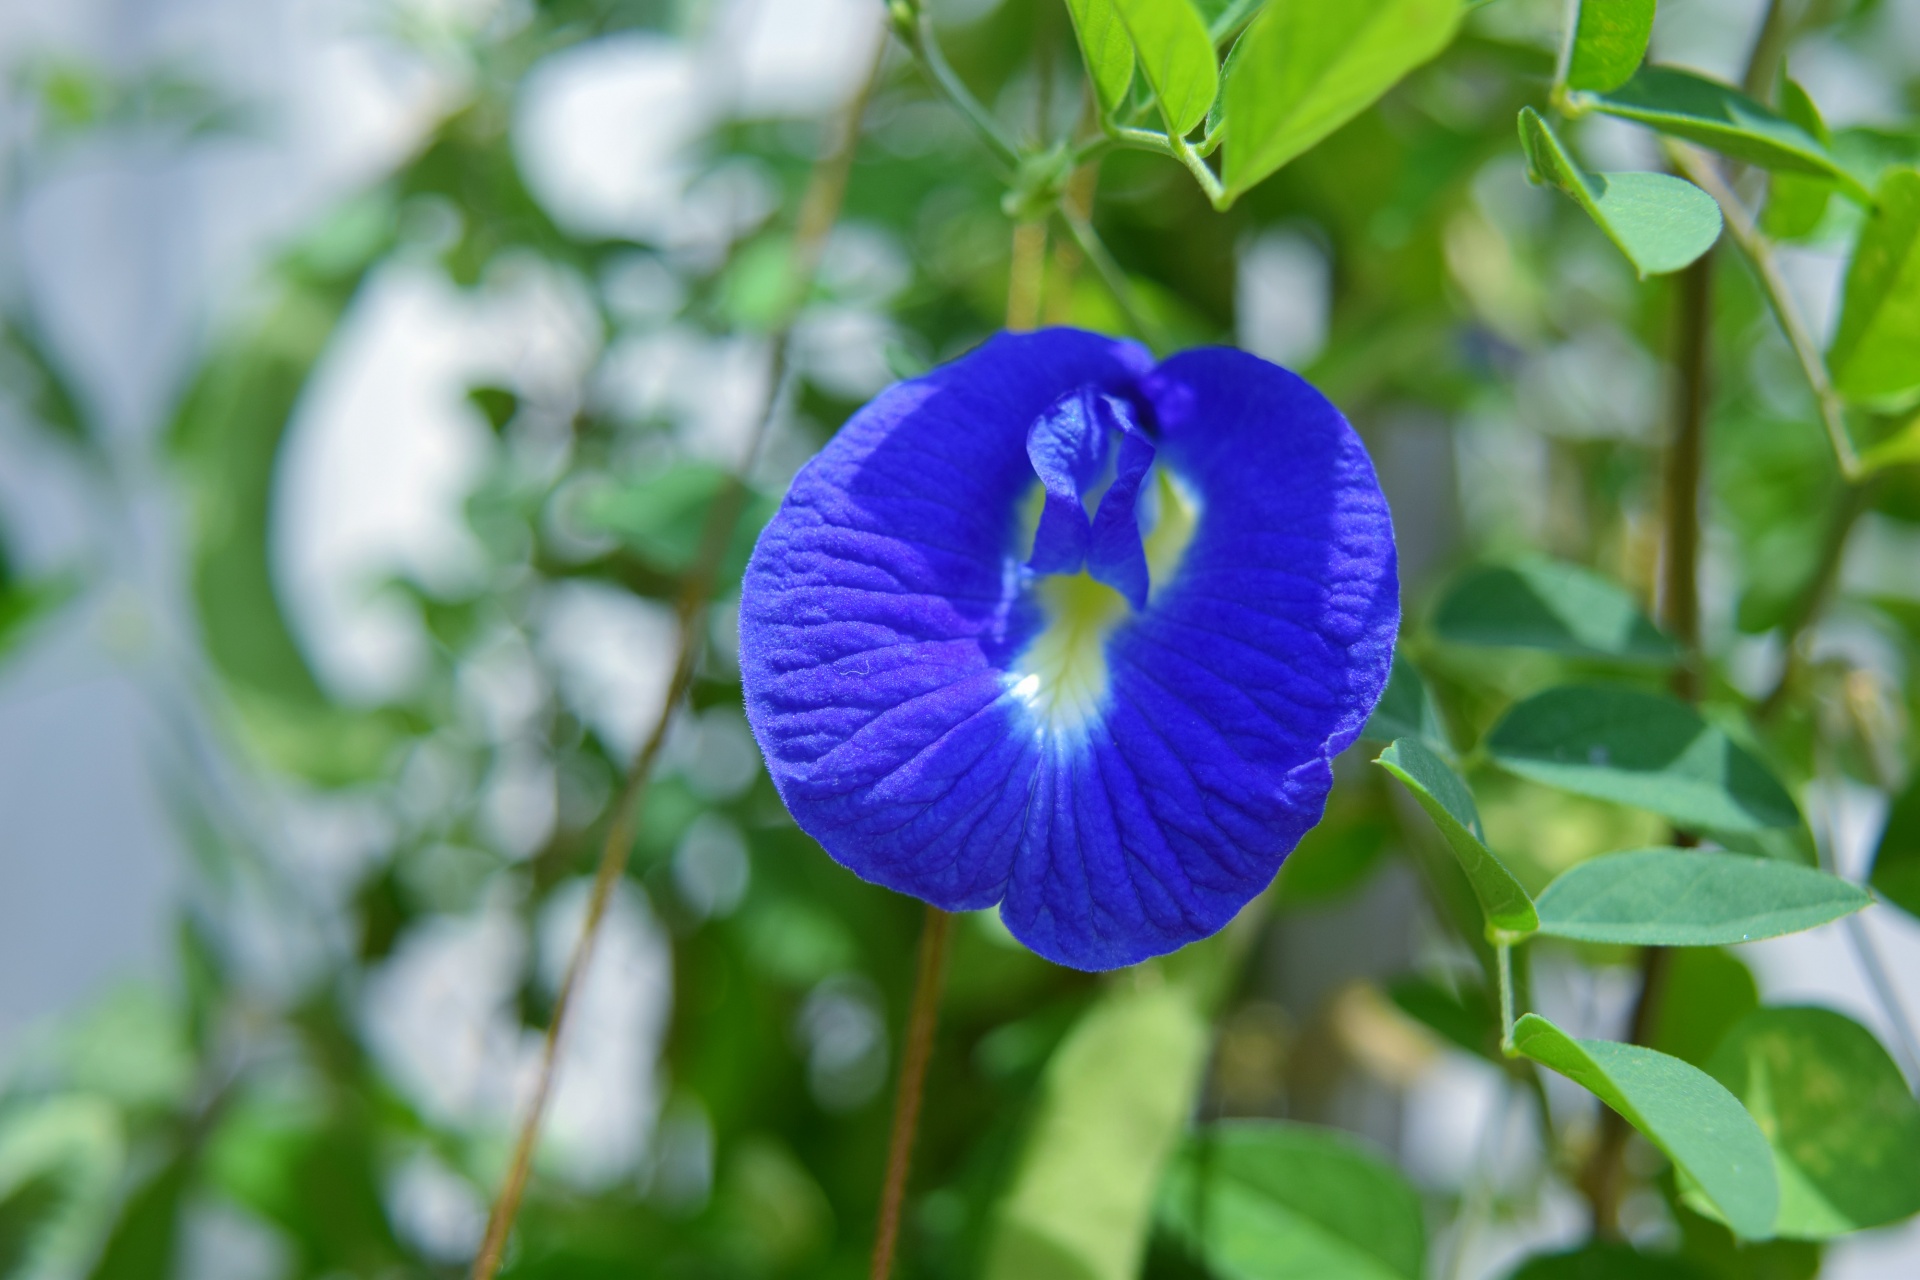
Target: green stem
{"x":1116,"y":280}
{"x":923,"y":1016}
{"x":1503,"y":951}
{"x":1211,"y":185}
{"x":1139,"y":139}
{"x":1769,"y":50}
{"x":1758,"y":250}
{"x":916,"y":31}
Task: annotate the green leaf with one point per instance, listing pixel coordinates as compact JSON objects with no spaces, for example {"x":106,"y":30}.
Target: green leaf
{"x":140,"y":1243}
{"x":1309,"y":67}
{"x":1108,"y":49}
{"x":1706,"y":991}
{"x":1407,"y":710}
{"x":1227,"y":17}
{"x":1845,"y":1131}
{"x":1609,"y":1260}
{"x":1873,"y":352}
{"x":1263,"y":1200}
{"x":1468,"y":1020}
{"x":1439,"y":791}
{"x":1690,"y":898}
{"x":1641,"y":749}
{"x":1900,"y":449}
{"x":1114,"y":1100}
{"x":1682,"y":1110}
{"x":1796,"y":202}
{"x":1660,"y":222}
{"x":1548,"y":604}
{"x":1896,"y":862}
{"x":1609,"y":41}
{"x":1176,"y":56}
{"x":1684,"y":105}
{"x":25,"y":1210}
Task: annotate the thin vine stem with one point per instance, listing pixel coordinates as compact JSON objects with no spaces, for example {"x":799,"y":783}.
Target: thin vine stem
{"x":1116,"y":280}
{"x":819,"y":210}
{"x":923,"y":1017}
{"x":1758,"y":250}
{"x":914,"y":23}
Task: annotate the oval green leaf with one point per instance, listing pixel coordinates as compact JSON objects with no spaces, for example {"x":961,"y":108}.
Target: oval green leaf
{"x":1690,"y":898}
{"x":1845,"y":1131}
{"x":1720,"y":117}
{"x":1407,"y":710}
{"x":1176,"y":55}
{"x":1309,"y":67}
{"x":1681,"y":1109}
{"x":1896,"y":861}
{"x":1107,"y":48}
{"x":1440,"y":792}
{"x":1641,"y":749}
{"x":1548,"y":604}
{"x":1264,"y":1200}
{"x":1660,"y":222}
{"x":1876,"y":349}
{"x":1609,"y":42}
{"x":1796,"y":202}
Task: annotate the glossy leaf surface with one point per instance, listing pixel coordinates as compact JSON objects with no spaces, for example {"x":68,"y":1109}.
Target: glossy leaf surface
{"x":1260,"y":1200}
{"x":1691,"y":898}
{"x":1641,"y":749}
{"x":1682,"y":1110}
{"x":1719,"y":116}
{"x":1549,"y":604}
{"x":1660,"y":222}
{"x":1309,"y":67}
{"x":1440,"y":792}
{"x":1176,"y":55}
{"x":1609,"y":40}
{"x":1107,"y":48}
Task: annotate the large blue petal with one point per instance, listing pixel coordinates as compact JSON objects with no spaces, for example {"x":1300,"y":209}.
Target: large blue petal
{"x":889,"y":599}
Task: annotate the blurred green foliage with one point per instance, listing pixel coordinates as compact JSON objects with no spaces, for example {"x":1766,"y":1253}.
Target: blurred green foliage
{"x":1507,"y":366}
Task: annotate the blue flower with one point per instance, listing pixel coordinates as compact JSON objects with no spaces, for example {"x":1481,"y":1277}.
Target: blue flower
{"x":1056,"y":628}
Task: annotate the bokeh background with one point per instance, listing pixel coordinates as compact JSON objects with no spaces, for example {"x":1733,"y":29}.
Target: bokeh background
{"x":368,"y":367}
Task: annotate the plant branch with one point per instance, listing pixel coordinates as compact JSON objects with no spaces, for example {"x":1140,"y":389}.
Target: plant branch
{"x":819,"y":210}
{"x":1503,"y":951}
{"x":1116,"y":280}
{"x":1604,"y":1178}
{"x":1210,"y":184}
{"x":914,"y":23}
{"x":1759,"y":253}
{"x":923,"y":1015}
{"x":1769,"y":51}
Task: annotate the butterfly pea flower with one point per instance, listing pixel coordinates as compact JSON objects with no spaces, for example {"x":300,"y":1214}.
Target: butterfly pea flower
{"x":1060,"y":629}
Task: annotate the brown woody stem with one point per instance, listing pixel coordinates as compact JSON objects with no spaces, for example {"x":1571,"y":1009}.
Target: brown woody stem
{"x":923,"y":1015}
{"x":819,"y":209}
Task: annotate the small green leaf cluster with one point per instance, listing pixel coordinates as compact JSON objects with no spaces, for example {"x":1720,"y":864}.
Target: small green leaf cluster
{"x":1736,"y":1118}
